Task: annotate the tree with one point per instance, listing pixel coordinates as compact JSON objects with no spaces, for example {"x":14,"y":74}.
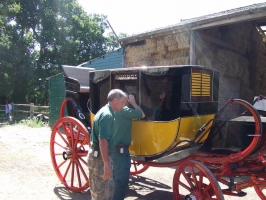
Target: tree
{"x":112,"y":42}
{"x":39,"y":36}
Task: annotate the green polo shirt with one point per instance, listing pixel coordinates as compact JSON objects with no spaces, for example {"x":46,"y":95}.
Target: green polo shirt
{"x":103,"y":127}
{"x":123,"y":124}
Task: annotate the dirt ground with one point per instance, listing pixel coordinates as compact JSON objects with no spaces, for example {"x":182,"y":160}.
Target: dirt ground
{"x":26,"y":171}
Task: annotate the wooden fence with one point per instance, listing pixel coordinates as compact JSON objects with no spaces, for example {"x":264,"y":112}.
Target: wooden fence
{"x":28,"y":110}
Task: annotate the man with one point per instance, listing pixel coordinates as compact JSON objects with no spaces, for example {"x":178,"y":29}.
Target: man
{"x":8,"y":112}
{"x":122,"y":140}
{"x":100,"y":171}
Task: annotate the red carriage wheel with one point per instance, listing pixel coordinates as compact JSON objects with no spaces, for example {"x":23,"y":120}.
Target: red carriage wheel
{"x":137,"y":167}
{"x":62,"y":108}
{"x":69,"y":146}
{"x":260,"y":189}
{"x":193,"y":180}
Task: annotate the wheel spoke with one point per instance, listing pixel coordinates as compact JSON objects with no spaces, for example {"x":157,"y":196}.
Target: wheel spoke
{"x":137,"y":168}
{"x":192,"y":170}
{"x":83,"y":161}
{"x":77,"y":138}
{"x":187,"y":179}
{"x":66,"y":172}
{"x":60,"y":145}
{"x":81,"y":145}
{"x":200,"y":186}
{"x":206,"y":190}
{"x":64,"y":125}
{"x":63,"y":138}
{"x":71,"y":135}
{"x":184,"y":186}
{"x":82,"y":170}
{"x":61,"y":164}
{"x":260,"y":189}
{"x":78,"y":174}
{"x":72,"y":173}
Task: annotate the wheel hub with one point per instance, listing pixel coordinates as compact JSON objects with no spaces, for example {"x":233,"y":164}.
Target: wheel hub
{"x":66,"y":155}
{"x":196,"y":195}
{"x":69,"y":154}
{"x":190,"y":197}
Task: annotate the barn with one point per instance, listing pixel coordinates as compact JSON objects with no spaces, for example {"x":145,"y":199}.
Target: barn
{"x":232,"y":41}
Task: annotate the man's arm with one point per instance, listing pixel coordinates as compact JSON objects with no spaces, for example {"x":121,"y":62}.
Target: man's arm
{"x":104,"y":144}
{"x":132,"y":101}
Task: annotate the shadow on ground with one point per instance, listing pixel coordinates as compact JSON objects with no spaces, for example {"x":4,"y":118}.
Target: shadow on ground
{"x":144,"y":188}
{"x":140,"y":188}
{"x":64,"y":194}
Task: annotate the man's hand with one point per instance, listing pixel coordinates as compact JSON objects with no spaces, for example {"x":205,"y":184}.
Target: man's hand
{"x":107,"y":171}
{"x":131,"y":99}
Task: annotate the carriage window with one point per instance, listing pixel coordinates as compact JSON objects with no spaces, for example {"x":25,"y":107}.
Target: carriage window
{"x":158,"y":94}
{"x":127,"y":82}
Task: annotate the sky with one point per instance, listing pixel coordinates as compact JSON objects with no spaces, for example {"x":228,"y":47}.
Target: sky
{"x":138,"y":16}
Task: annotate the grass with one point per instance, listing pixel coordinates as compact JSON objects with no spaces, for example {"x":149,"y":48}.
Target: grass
{"x":33,"y":123}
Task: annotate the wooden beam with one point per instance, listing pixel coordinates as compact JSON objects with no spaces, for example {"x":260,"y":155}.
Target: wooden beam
{"x":192,"y":48}
{"x":259,"y":29}
{"x":219,"y":42}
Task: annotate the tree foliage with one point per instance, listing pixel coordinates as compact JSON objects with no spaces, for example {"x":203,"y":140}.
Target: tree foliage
{"x":38,"y":36}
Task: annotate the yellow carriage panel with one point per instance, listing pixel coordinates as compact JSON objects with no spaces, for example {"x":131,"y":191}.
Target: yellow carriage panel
{"x":189,"y":127}
{"x":150,"y":137}
{"x":91,"y":118}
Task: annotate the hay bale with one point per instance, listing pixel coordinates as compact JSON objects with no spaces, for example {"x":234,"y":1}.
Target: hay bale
{"x":246,"y":94}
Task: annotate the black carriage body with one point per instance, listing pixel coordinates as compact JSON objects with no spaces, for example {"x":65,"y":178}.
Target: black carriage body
{"x":190,"y":90}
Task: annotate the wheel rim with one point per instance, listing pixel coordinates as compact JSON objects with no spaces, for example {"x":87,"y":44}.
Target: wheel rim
{"x":193,"y":180}
{"x":137,"y":167}
{"x":62,"y":108}
{"x":69,"y":146}
{"x":260,"y":189}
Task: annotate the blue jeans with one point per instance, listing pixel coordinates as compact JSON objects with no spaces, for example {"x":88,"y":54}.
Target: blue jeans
{"x":121,"y":171}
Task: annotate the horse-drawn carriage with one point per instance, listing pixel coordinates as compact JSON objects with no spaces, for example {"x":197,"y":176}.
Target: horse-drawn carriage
{"x":181,"y":108}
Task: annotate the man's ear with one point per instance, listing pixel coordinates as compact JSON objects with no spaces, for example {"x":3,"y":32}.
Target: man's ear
{"x":115,"y":100}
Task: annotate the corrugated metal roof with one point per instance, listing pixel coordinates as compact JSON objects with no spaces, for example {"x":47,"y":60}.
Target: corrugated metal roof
{"x":255,"y":10}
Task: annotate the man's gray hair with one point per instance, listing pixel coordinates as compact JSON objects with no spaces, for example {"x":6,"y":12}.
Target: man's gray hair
{"x":115,"y":93}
